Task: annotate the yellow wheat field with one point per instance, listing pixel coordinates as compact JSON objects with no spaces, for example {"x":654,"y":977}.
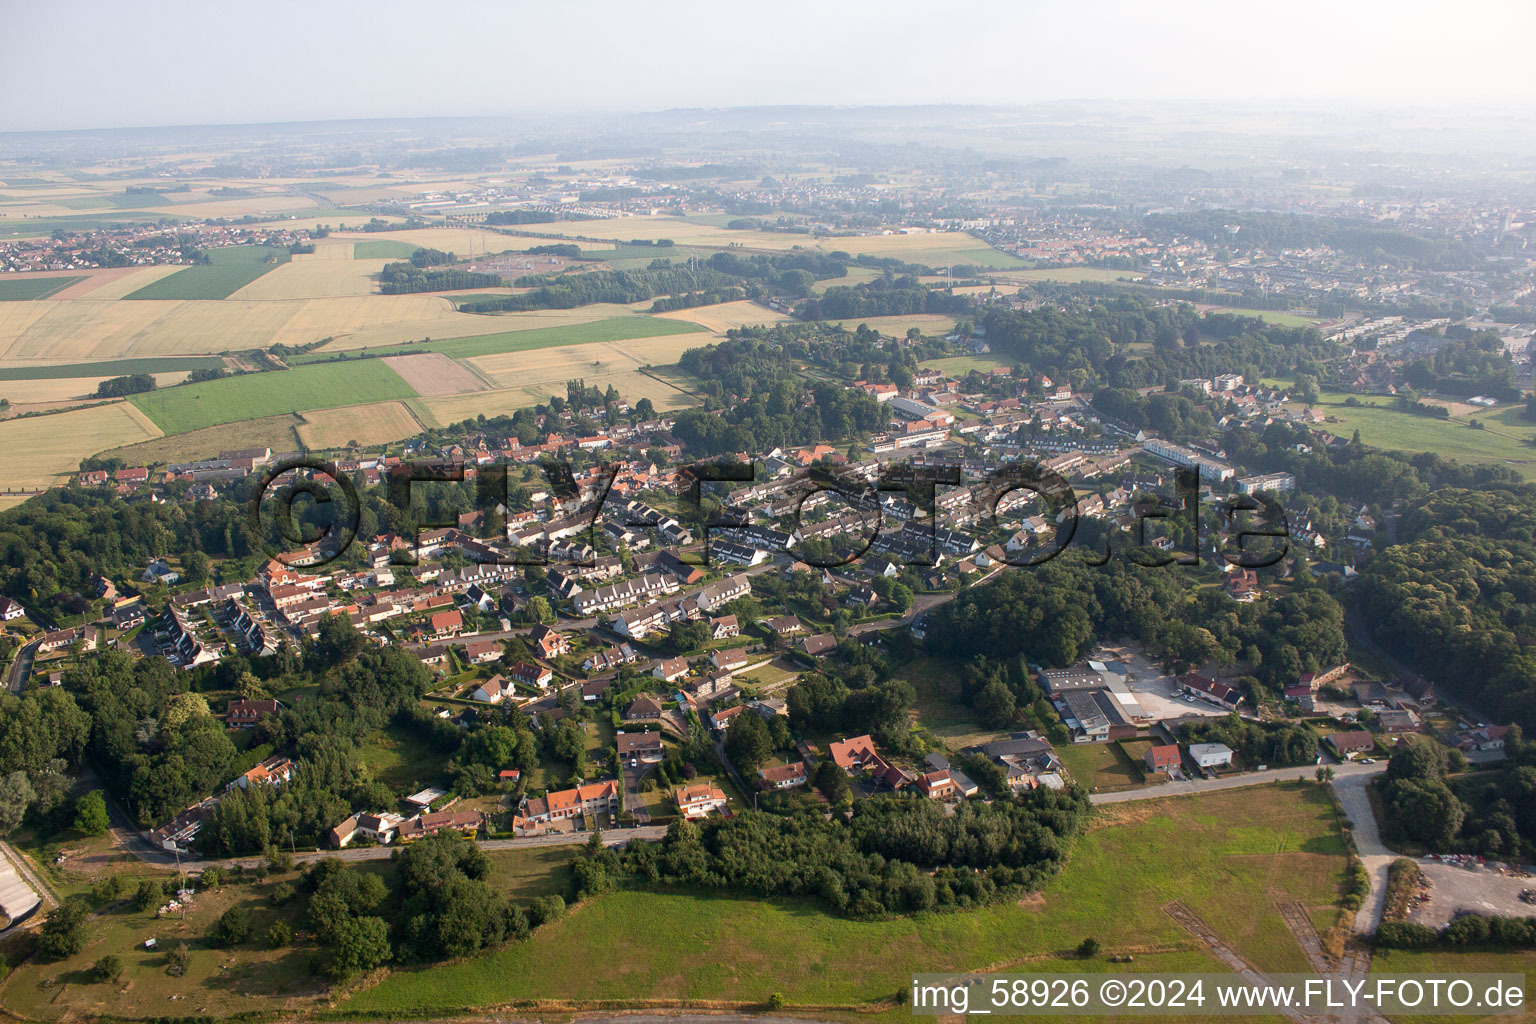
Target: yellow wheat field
{"x":63,"y":389}
{"x":315,"y":279}
{"x":42,"y":450}
{"x":116,"y":288}
{"x":378,"y":423}
{"x":536,"y":366}
{"x":722,"y":317}
{"x":632,"y":386}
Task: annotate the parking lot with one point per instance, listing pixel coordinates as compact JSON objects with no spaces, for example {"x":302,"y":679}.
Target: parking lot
{"x":1154,"y":688}
{"x":1480,"y":888}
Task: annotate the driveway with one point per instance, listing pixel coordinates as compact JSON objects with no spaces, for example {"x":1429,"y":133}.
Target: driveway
{"x":1351,"y":791}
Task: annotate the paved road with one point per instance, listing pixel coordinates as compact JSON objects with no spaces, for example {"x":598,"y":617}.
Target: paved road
{"x":1192,"y":787}
{"x":1374,"y":854}
{"x":21,"y":666}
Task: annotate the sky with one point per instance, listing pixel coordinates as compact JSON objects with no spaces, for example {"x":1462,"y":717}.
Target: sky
{"x":109,"y":63}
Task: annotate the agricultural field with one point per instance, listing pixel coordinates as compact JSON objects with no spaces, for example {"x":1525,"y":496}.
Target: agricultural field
{"x":431,"y":374}
{"x":614,"y":330}
{"x":928,"y":323}
{"x":1229,"y":857}
{"x":315,"y":279}
{"x":383,"y":249}
{"x":228,"y":270}
{"x":367,"y":425}
{"x":41,"y":450}
{"x":726,"y":315}
{"x":593,"y":359}
{"x":22,"y":288}
{"x":255,"y":395}
{"x":275,"y":432}
{"x":631,"y":385}
{"x":855,"y":275}
{"x":116,"y":283}
{"x":110,"y":368}
{"x":37,"y":392}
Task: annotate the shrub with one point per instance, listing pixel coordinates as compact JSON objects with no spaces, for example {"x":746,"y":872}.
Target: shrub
{"x":232,"y":927}
{"x":180,"y":960}
{"x":1402,"y":935}
{"x":279,"y":935}
{"x":1088,"y":948}
{"x":107,"y":968}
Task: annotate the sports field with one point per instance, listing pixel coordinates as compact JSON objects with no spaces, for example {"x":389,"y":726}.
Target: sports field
{"x":18,"y":288}
{"x":1270,"y":316}
{"x":228,"y":270}
{"x":379,"y":423}
{"x":1229,"y":857}
{"x":250,"y":396}
{"x":42,"y":450}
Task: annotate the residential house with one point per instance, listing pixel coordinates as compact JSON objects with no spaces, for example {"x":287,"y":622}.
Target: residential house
{"x":642,"y":708}
{"x":699,"y":800}
{"x":531,"y":674}
{"x":784,"y":776}
{"x":1164,"y":759}
{"x":1211,"y":755}
{"x":601,"y":797}
{"x":494,"y":690}
{"x":245,"y":714}
{"x":1348,"y":744}
{"x":464,"y":822}
{"x":379,"y":828}
{"x":671,"y":669}
{"x":641,"y":747}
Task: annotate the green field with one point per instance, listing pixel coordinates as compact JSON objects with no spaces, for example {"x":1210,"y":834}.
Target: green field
{"x":619,"y":328}
{"x":1383,"y":426}
{"x":23,"y":289}
{"x":383,"y":249}
{"x":959,"y":366}
{"x":1227,"y":856}
{"x":401,"y":761}
{"x":187,"y":407}
{"x":1272,"y":317}
{"x":112,"y":368}
{"x":230,"y":269}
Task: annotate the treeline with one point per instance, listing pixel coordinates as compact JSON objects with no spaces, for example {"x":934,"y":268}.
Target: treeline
{"x":763,"y":403}
{"x":884,"y":296}
{"x":791,"y":271}
{"x":407,"y":278}
{"x":1281,"y":745}
{"x":893,"y":856}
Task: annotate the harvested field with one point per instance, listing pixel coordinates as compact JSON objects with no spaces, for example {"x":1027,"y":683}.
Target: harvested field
{"x":365,"y":424}
{"x":516,"y":369}
{"x":722,"y":317}
{"x":229,"y":269}
{"x":631,"y":385}
{"x":275,"y":432}
{"x":42,"y":450}
{"x":315,"y":279}
{"x":432,"y":374}
{"x":114,"y":283}
{"x":928,"y":323}
{"x":63,"y":389}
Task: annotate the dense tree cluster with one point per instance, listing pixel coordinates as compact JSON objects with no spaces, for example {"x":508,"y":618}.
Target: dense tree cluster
{"x":407,"y":278}
{"x":1276,"y":745}
{"x":894,"y":856}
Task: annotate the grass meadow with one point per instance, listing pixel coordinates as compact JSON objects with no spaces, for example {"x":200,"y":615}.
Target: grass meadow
{"x":1228,"y":856}
{"x":254,"y":395}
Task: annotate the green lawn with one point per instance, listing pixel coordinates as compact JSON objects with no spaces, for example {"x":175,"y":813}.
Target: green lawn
{"x":1383,"y":426}
{"x":187,"y":407}
{"x":111,"y":367}
{"x":401,"y":761}
{"x":1099,"y":765}
{"x":383,"y":249}
{"x":229,"y":269}
{"x":1227,"y":856}
{"x":1272,"y":316}
{"x":16,"y":288}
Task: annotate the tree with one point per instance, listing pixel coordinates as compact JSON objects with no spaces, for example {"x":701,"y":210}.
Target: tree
{"x":232,"y":927}
{"x":747,"y":742}
{"x":1088,"y":948}
{"x":16,"y":795}
{"x":148,"y":894}
{"x":832,"y":782}
{"x":995,"y":705}
{"x":279,"y":935}
{"x":64,"y":933}
{"x":360,"y":944}
{"x":107,"y":968}
{"x":91,"y":814}
{"x":180,"y":960}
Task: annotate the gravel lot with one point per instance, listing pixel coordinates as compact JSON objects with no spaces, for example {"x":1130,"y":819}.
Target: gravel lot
{"x":1481,"y":889}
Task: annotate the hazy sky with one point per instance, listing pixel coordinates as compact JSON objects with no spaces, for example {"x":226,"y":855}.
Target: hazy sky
{"x":109,"y":63}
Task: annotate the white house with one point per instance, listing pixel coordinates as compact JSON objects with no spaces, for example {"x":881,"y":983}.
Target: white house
{"x":1211,"y":755}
